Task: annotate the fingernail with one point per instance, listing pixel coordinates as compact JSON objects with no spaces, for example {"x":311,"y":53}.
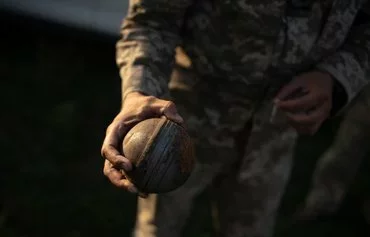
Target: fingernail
{"x":132,"y":189}
{"x":179,"y":119}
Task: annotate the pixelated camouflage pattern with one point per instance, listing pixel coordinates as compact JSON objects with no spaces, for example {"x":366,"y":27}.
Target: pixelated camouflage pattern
{"x":337,"y":167}
{"x":240,"y":153}
{"x":241,"y":43}
{"x":240,"y":53}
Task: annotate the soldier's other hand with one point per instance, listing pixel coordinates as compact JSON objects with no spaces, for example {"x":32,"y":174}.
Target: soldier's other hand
{"x":308,"y":111}
{"x":135,"y":108}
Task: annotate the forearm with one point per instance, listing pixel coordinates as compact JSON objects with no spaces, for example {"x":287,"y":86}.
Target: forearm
{"x":146,"y":51}
{"x":349,"y":67}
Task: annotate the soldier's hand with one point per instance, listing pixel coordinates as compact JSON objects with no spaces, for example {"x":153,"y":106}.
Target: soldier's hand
{"x":306,"y":113}
{"x":136,"y":107}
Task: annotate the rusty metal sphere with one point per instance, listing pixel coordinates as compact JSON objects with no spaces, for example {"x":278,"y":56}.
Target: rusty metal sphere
{"x":162,"y":155}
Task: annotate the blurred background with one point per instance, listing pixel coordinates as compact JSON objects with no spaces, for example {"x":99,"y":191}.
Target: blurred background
{"x":60,"y":88}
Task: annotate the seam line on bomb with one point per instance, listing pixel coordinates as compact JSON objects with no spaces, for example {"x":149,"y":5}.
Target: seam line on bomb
{"x":158,"y":151}
{"x":147,"y":149}
{"x":169,"y":162}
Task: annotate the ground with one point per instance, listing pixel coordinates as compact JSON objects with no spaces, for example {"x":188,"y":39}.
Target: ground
{"x":60,"y":89}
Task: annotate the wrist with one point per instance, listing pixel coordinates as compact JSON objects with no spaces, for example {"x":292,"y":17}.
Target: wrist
{"x":327,"y":76}
{"x":338,"y":93}
{"x":134,"y":94}
{"x":129,"y":96}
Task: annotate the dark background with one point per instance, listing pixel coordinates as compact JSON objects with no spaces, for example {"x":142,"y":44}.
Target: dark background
{"x":60,"y":88}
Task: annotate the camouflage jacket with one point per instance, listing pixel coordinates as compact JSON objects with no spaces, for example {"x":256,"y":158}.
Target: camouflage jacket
{"x":239,"y":43}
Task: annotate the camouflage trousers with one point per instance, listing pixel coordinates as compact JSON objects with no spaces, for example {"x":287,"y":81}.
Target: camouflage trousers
{"x":337,"y":167}
{"x":245,"y":156}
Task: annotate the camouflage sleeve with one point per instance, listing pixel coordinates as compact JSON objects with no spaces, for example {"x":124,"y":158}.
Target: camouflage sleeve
{"x":146,"y":51}
{"x":350,"y":65}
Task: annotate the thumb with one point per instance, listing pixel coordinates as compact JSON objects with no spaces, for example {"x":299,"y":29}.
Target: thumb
{"x":288,"y":91}
{"x":159,"y":107}
{"x":170,"y":111}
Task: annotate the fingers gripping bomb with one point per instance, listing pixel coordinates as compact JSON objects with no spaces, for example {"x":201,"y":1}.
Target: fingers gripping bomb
{"x":162,"y":155}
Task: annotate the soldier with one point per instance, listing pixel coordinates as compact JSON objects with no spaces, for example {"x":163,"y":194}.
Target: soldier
{"x":246,"y":57}
{"x":337,"y":167}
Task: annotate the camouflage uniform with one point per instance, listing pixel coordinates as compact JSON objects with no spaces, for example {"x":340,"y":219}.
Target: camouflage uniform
{"x":337,"y":167}
{"x":240,"y":53}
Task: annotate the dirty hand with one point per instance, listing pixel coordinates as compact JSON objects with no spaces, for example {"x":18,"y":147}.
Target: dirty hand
{"x":136,"y":107}
{"x":307,"y":112}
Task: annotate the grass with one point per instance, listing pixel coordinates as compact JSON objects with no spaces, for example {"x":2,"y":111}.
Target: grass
{"x":60,"y":88}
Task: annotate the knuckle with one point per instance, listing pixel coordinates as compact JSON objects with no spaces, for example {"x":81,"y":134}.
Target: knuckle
{"x":117,"y":163}
{"x":103,"y":152}
{"x":108,"y":154}
{"x":143,"y":109}
{"x":146,"y":106}
{"x":119,"y":128}
{"x":117,"y":120}
{"x":110,"y":128}
{"x":105,"y":172}
{"x":170,"y":106}
{"x":150,"y":98}
{"x":124,"y":184}
{"x":142,"y":113}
